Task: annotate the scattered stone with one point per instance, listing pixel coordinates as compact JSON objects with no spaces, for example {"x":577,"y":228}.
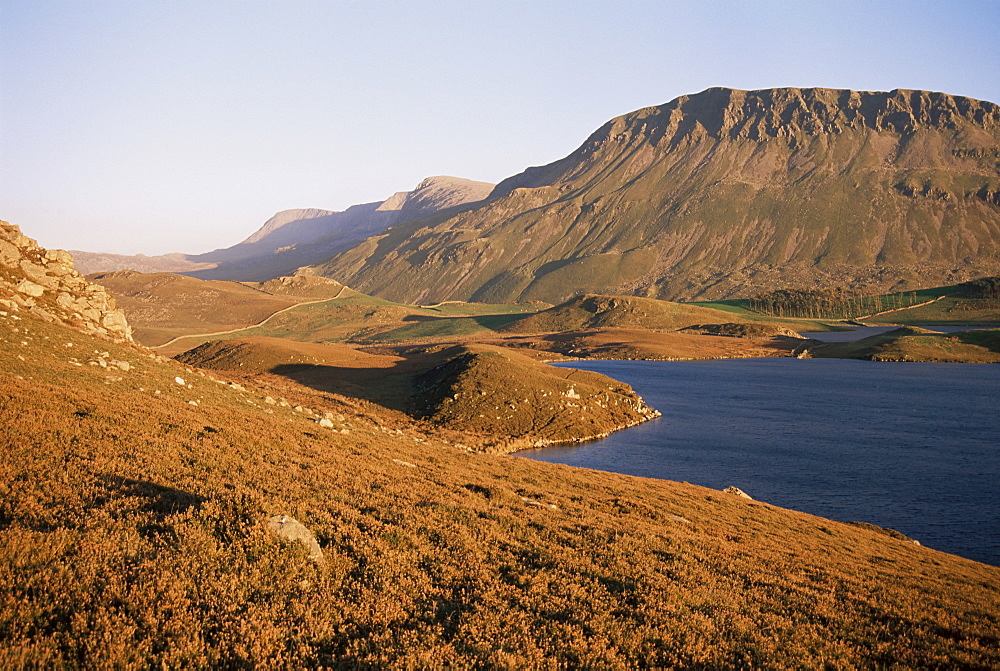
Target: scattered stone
{"x":539,"y":504}
{"x":404,"y":463}
{"x":736,"y":491}
{"x":44,"y":315}
{"x":892,"y":533}
{"x":678,"y":518}
{"x":325,"y":423}
{"x":289,"y":529}
{"x":180,"y":381}
{"x":29,"y":288}
{"x":269,"y":400}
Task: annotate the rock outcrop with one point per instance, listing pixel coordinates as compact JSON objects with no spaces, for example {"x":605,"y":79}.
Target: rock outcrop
{"x":44,"y":284}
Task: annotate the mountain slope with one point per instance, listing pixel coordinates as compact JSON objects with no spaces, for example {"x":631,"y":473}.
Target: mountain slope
{"x":294,"y":238}
{"x":718,"y":194}
{"x":134,"y":504}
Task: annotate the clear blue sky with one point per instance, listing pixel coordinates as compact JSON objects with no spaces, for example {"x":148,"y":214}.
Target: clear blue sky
{"x":167,"y":125}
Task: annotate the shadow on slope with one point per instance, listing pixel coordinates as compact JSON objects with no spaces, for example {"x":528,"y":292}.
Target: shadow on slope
{"x":509,"y":400}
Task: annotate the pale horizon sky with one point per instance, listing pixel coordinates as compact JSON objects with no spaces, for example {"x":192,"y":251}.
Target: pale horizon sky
{"x":181,"y":126}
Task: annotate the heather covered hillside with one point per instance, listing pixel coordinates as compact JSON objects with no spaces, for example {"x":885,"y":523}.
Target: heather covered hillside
{"x":718,"y":194}
{"x":137,"y":507}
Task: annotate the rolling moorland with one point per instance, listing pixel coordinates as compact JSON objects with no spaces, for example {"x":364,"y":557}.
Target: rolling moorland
{"x":321,"y":475}
{"x":174,"y":314}
{"x":137,"y":493}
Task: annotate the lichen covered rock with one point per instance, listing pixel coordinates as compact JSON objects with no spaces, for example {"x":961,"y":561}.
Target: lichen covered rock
{"x":44,"y":284}
{"x":290,"y":529}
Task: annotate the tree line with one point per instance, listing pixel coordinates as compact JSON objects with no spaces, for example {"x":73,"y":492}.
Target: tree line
{"x":829,"y":303}
{"x":986,"y":287}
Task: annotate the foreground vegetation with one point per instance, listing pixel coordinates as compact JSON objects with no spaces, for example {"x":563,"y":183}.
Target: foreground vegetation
{"x":133,"y":508}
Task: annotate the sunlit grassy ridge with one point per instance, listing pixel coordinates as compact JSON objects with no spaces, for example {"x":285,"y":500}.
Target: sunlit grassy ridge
{"x":948,"y":311}
{"x":196,"y":311}
{"x":507,"y":401}
{"x":132,"y":533}
{"x":363,"y":318}
{"x":369,"y":321}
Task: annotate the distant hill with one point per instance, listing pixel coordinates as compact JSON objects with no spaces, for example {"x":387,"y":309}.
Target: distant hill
{"x":294,"y":238}
{"x":720,"y":194}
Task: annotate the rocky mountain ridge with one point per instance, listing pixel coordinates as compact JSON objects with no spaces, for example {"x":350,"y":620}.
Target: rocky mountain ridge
{"x":44,"y":284}
{"x":720,"y":194}
{"x":298,"y":237}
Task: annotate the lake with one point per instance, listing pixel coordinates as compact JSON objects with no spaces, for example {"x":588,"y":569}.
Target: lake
{"x":914,"y":447}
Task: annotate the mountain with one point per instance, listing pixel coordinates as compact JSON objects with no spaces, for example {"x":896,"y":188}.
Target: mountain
{"x":719,"y":194}
{"x":294,"y":238}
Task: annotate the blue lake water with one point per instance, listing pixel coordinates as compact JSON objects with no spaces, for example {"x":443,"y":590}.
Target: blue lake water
{"x":914,"y":447}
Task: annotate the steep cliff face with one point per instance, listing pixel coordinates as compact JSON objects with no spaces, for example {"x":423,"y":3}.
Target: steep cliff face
{"x":720,"y":194}
{"x":44,"y":284}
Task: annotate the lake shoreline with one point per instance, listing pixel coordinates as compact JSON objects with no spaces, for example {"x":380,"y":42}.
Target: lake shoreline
{"x":735,"y":400}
